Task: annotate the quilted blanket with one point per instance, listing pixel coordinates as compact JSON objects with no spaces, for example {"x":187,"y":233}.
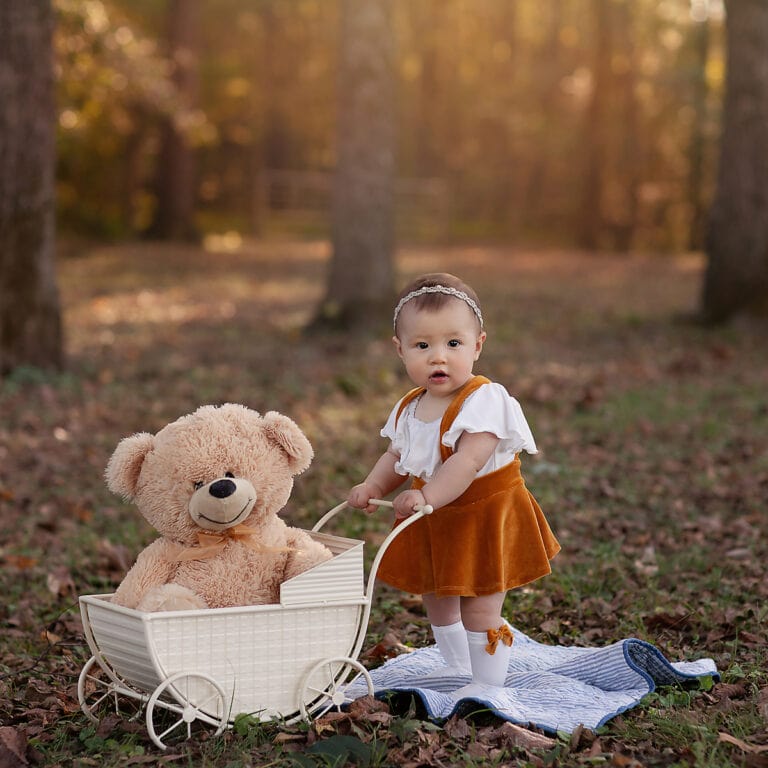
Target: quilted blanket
{"x":555,"y":688}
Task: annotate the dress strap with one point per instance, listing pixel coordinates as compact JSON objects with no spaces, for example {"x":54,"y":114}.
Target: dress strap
{"x":409,"y":398}
{"x":453,"y":410}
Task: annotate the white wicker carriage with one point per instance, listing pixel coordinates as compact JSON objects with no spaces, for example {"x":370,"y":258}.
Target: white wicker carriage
{"x":285,"y":661}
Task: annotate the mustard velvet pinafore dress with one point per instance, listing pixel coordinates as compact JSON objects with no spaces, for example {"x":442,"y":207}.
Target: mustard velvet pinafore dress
{"x":494,"y":537}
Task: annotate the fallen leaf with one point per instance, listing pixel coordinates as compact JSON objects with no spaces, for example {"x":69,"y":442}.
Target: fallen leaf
{"x":478,"y":750}
{"x":61,"y":583}
{"x":325,"y":724}
{"x":664,"y":620}
{"x":13,"y":748}
{"x":731,"y":690}
{"x":739,"y":553}
{"x":516,"y":736}
{"x":762,"y":704}
{"x":752,"y":749}
{"x":371,"y":710}
{"x":550,"y":626}
{"x":21,"y":562}
{"x":625,"y":761}
{"x":116,"y":555}
{"x":388,"y":647}
{"x":458,"y":728}
{"x":283,"y":738}
{"x":108,"y":724}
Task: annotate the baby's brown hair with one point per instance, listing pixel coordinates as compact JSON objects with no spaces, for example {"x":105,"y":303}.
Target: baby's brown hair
{"x":435,"y":300}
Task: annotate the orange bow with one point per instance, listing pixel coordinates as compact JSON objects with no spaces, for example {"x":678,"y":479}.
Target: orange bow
{"x":211,"y":544}
{"x":503,"y":633}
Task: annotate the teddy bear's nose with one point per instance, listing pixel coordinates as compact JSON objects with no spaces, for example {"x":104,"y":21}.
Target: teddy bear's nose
{"x":222,"y":488}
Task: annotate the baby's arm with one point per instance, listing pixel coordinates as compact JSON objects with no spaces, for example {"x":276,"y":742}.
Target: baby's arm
{"x":454,"y":477}
{"x":381,"y":480}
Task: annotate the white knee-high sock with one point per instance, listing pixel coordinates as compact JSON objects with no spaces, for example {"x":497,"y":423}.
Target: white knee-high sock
{"x":452,"y":643}
{"x":488,"y":668}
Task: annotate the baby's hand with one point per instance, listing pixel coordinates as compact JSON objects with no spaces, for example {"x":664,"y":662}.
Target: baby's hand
{"x":358,"y":497}
{"x":406,"y":502}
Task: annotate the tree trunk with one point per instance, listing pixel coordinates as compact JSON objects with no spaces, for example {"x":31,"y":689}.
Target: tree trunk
{"x":628,"y":140}
{"x":590,"y":224}
{"x":737,"y":274}
{"x":539,"y":155}
{"x":361,"y":277}
{"x":176,"y":173}
{"x":30,"y":318}
{"x":696,"y":147}
{"x":427,"y":161}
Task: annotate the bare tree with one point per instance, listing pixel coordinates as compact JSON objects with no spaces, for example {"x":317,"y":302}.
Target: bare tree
{"x":737,"y":244}
{"x":361,"y":276}
{"x":30,"y":318}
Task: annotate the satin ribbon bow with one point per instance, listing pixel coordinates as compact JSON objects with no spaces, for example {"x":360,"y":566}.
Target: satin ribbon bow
{"x":211,"y":544}
{"x":502,"y":634}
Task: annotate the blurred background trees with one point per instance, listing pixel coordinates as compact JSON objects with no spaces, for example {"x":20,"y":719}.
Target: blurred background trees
{"x":570,"y":121}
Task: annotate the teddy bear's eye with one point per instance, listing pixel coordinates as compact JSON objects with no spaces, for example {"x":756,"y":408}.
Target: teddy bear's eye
{"x":197,"y":484}
{"x":229,"y":474}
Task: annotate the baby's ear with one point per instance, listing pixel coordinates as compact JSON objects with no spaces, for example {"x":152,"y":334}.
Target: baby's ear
{"x":124,"y":466}
{"x":479,"y":344}
{"x":291,"y":439}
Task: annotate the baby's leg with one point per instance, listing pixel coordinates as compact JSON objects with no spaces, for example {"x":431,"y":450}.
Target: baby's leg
{"x":481,"y":613}
{"x":444,"y":615}
{"x":489,"y":641}
{"x":441,"y":611}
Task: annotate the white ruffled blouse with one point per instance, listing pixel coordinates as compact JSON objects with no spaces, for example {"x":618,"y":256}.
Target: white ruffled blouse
{"x":488,"y":409}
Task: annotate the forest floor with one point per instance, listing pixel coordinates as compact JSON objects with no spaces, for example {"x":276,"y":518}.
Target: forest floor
{"x":653,"y":471}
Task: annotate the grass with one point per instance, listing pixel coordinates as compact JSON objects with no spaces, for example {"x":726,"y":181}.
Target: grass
{"x":653,"y":469}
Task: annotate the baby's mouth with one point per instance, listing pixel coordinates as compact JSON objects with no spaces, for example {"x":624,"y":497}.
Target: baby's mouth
{"x":438,"y":376}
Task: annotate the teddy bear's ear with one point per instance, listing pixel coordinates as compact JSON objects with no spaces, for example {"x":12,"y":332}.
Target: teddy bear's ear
{"x":291,"y":439}
{"x":124,"y":466}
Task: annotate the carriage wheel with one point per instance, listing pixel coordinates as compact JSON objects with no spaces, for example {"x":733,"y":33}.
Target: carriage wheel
{"x":325,"y":685}
{"x":195,"y":696}
{"x":95,"y":691}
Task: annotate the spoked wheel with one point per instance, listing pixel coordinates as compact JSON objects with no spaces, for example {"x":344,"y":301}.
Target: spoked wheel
{"x":96,"y":693}
{"x":325,"y":685}
{"x":192,"y":696}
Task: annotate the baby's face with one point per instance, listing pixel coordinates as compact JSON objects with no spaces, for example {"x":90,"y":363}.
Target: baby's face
{"x":439,"y":347}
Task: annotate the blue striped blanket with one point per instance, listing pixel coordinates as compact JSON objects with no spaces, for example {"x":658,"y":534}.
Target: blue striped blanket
{"x":555,"y":688}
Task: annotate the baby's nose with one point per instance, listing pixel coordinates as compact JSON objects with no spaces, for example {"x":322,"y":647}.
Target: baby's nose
{"x":438,"y":353}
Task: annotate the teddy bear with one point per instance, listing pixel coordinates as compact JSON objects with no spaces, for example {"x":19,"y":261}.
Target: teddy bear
{"x":212,"y":484}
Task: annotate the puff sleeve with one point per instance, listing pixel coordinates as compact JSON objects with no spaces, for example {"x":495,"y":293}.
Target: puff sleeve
{"x":492,"y":409}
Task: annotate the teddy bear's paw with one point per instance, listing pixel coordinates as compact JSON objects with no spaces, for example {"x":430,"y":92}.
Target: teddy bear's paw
{"x":171,"y":597}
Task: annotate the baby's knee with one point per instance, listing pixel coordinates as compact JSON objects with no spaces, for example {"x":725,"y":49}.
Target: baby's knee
{"x":482,"y":613}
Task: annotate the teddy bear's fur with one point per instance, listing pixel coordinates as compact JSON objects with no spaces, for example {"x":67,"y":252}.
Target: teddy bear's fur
{"x":198,"y":481}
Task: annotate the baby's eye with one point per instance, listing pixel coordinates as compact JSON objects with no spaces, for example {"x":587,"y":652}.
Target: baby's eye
{"x":422,"y":345}
{"x":228,"y":474}
{"x":454,"y":343}
{"x":197,"y":485}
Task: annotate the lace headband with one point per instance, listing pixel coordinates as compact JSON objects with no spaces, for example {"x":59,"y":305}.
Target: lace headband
{"x":448,"y":291}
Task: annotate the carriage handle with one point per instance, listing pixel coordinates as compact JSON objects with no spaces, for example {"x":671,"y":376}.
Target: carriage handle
{"x":419,"y":512}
